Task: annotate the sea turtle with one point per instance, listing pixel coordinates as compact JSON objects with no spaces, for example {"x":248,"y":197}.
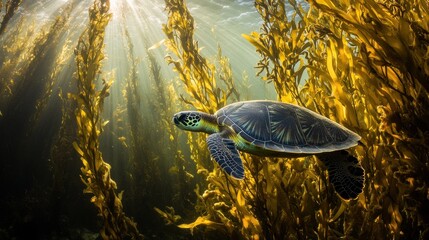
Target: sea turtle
{"x":269,"y":128}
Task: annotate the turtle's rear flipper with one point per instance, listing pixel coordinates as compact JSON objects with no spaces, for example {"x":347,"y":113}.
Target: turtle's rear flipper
{"x":225,"y":153}
{"x":345,"y":173}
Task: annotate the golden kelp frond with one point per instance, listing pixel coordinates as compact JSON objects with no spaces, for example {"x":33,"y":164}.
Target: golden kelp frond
{"x":281,"y":44}
{"x":10,"y":8}
{"x":169,"y":215}
{"x":96,"y":172}
{"x":393,"y":33}
{"x":200,"y":221}
{"x":135,"y":123}
{"x":20,"y":55}
{"x":196,"y":72}
{"x":224,"y":74}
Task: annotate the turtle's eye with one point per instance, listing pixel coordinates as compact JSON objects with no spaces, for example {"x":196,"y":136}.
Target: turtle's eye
{"x":193,"y":119}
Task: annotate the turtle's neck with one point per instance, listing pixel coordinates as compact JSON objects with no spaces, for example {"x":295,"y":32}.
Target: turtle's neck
{"x":209,"y":123}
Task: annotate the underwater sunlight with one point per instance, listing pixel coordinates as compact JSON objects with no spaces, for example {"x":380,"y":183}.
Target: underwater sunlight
{"x":302,"y":119}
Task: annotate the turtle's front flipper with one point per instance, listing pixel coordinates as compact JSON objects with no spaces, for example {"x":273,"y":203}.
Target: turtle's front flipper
{"x":345,"y":173}
{"x":225,"y":153}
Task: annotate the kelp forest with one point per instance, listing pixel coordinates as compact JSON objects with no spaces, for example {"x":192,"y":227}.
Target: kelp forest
{"x":88,"y":90}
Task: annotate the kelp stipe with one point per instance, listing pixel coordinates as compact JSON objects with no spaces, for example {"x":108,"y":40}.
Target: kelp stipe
{"x":167,"y":100}
{"x":96,"y":172}
{"x":10,"y":8}
{"x":135,"y":123}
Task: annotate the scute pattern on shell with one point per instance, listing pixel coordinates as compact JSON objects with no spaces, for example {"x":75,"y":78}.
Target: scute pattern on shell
{"x":285,"y":127}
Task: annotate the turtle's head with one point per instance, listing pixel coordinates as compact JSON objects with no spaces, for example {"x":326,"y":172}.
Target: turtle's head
{"x":188,"y":120}
{"x":195,"y":121}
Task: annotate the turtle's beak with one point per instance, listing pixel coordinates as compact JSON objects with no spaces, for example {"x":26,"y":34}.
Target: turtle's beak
{"x":176,"y":119}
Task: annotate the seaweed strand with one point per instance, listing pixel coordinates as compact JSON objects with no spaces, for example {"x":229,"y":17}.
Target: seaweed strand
{"x":96,"y":172}
{"x":11,"y":7}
